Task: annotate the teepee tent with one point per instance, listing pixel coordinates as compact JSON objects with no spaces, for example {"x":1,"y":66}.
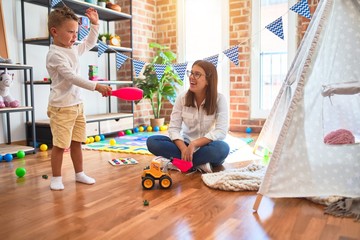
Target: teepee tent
{"x":321,"y":94}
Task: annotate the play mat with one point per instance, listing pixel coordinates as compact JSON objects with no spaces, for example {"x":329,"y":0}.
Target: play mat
{"x":136,"y":143}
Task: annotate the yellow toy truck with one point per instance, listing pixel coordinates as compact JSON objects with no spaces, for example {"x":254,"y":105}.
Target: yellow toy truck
{"x":155,"y":172}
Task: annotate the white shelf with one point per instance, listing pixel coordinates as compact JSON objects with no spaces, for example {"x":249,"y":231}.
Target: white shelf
{"x":14,"y":148}
{"x":114,"y":82}
{"x":97,"y":122}
{"x":17,"y":109}
{"x":12,"y":66}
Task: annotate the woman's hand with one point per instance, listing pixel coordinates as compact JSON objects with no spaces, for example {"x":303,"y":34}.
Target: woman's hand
{"x":187,"y":153}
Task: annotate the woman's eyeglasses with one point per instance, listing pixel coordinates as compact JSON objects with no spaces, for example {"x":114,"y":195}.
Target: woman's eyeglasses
{"x":196,"y":75}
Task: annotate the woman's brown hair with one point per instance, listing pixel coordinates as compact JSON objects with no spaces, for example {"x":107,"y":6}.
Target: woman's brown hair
{"x":211,"y":89}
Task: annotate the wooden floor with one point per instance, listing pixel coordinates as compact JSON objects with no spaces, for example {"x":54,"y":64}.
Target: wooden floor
{"x":113,"y":208}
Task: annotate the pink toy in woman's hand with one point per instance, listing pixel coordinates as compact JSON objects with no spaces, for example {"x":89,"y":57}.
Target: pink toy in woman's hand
{"x":128,"y":93}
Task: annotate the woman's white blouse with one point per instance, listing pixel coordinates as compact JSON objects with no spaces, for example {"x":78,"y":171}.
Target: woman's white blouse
{"x":189,"y":123}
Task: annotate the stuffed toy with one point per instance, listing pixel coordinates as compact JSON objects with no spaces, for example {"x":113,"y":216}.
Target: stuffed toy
{"x":6,"y":100}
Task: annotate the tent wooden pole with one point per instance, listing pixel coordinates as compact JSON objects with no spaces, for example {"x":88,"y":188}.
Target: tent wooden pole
{"x":257,"y":202}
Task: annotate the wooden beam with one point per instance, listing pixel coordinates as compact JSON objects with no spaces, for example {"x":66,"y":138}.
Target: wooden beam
{"x":257,"y":203}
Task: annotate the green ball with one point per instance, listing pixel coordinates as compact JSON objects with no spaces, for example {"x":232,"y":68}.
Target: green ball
{"x":20,"y":154}
{"x":20,"y":172}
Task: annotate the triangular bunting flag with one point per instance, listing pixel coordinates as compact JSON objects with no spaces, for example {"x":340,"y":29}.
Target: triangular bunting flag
{"x":138,"y":66}
{"x":83,"y":32}
{"x":302,"y":8}
{"x":233,"y":54}
{"x":159,"y":69}
{"x":276,"y":27}
{"x":180,"y":69}
{"x":213,"y":59}
{"x":101,"y":48}
{"x":55,"y":2}
{"x":120,"y":59}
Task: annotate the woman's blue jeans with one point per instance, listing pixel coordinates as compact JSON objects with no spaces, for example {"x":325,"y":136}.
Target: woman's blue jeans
{"x":214,"y":152}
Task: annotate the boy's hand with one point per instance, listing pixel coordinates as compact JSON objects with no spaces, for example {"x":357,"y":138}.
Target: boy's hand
{"x":93,"y":16}
{"x":103,"y":89}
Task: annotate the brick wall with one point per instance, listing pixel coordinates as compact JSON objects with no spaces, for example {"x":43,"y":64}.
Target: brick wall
{"x":152,"y":21}
{"x":156,"y":21}
{"x":240,"y":33}
{"x":304,"y":22}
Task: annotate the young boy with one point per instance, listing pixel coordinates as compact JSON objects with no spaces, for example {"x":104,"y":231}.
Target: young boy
{"x":65,"y":109}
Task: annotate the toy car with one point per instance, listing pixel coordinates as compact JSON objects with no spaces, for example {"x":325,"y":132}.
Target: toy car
{"x":155,"y":172}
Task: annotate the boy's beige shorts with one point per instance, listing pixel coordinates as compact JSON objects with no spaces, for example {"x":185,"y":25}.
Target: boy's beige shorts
{"x":67,"y":124}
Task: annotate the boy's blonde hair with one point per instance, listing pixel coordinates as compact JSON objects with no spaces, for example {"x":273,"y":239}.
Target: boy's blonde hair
{"x":59,"y":16}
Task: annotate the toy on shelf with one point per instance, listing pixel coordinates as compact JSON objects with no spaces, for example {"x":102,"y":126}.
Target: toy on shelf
{"x":6,"y":100}
{"x":155,"y":172}
{"x":115,"y":40}
{"x":110,"y":39}
{"x":93,"y":72}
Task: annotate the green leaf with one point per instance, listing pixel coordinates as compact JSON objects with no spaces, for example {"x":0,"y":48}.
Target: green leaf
{"x":166,"y":88}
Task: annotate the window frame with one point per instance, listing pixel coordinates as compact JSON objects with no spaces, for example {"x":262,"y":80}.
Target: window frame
{"x":255,"y":111}
{"x":223,"y":62}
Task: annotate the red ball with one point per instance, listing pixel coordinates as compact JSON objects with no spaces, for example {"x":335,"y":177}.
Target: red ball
{"x":121,"y":133}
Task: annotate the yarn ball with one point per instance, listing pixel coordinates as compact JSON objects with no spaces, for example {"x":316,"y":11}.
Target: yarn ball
{"x":340,"y":136}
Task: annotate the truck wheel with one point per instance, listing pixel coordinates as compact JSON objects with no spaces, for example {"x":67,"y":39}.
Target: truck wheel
{"x":148,"y":182}
{"x":165,"y":182}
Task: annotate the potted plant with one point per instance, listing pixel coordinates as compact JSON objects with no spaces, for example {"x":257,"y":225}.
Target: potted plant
{"x":158,"y":90}
{"x":102,"y":3}
{"x":105,"y":38}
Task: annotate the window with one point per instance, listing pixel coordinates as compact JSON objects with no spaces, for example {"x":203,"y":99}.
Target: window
{"x":271,"y":56}
{"x":203,"y":31}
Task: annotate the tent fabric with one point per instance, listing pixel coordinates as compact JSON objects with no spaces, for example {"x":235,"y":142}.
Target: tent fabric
{"x":301,"y":164}
{"x":348,"y":88}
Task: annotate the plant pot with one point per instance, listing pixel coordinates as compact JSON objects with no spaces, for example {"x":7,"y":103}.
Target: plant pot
{"x":157,"y":122}
{"x":102,"y":4}
{"x":91,"y":1}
